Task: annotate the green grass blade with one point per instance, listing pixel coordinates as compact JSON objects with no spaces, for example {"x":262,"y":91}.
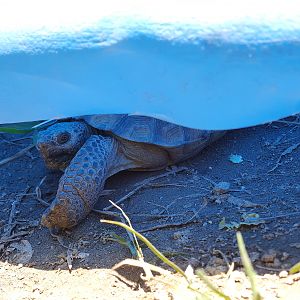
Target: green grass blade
{"x":248,"y":267}
{"x":19,"y":128}
{"x":150,"y":246}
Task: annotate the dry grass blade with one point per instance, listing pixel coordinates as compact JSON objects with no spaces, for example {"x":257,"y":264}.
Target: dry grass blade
{"x":135,"y":242}
{"x":137,"y":263}
{"x":295,"y":269}
{"x":132,"y":237}
{"x":15,"y":156}
{"x":248,"y":266}
{"x":150,"y":246}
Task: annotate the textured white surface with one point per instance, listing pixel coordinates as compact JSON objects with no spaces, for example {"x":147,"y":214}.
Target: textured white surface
{"x":35,"y":25}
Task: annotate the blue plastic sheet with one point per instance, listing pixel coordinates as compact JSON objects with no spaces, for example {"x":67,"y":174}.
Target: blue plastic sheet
{"x":210,"y":66}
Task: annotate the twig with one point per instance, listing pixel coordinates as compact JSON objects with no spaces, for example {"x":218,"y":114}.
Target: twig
{"x":165,"y":208}
{"x":216,"y":251}
{"x":21,"y":139}
{"x":240,"y":191}
{"x":159,"y":185}
{"x":209,"y":180}
{"x":9,"y":142}
{"x":107,"y":213}
{"x":38,"y":193}
{"x":15,"y":156}
{"x":287,"y":122}
{"x":168,"y":225}
{"x":59,"y":238}
{"x":289,"y":150}
{"x":13,"y":237}
{"x":280,"y":216}
{"x":12,"y":214}
{"x":155,"y":216}
{"x":268,"y":268}
{"x":171,"y":225}
{"x":144,"y":184}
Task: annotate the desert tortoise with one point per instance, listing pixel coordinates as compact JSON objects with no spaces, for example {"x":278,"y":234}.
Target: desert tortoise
{"x":93,"y":148}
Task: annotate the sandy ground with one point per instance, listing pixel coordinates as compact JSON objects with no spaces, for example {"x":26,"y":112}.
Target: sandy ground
{"x":262,"y":191}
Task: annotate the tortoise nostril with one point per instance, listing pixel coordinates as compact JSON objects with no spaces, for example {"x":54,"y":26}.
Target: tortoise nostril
{"x":42,"y":147}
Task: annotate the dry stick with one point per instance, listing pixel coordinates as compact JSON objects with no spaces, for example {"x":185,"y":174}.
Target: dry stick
{"x":15,"y":156}
{"x":224,"y":257}
{"x":155,"y":216}
{"x":268,"y":268}
{"x":21,"y":139}
{"x":181,"y":198}
{"x":12,"y":214}
{"x":9,"y":142}
{"x":38,"y":193}
{"x":165,"y":208}
{"x":171,"y":225}
{"x":287,"y":122}
{"x":144,"y":184}
{"x":168,"y":225}
{"x":289,"y":150}
{"x":13,"y":237}
{"x":280,"y":216}
{"x":159,"y":185}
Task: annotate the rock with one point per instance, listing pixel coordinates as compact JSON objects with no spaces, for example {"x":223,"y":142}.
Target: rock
{"x":254,"y":256}
{"x":216,"y":266}
{"x":296,"y":245}
{"x":284,"y":256}
{"x":289,"y":281}
{"x":221,"y":188}
{"x":269,"y":236}
{"x":283,"y":274}
{"x":268,"y":257}
{"x":276,"y":263}
{"x":194,"y":262}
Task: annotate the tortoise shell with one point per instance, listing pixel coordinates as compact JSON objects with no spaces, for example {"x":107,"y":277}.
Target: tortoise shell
{"x":148,"y":130}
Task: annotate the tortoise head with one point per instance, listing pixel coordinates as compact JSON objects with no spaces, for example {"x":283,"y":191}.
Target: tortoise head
{"x":59,"y":143}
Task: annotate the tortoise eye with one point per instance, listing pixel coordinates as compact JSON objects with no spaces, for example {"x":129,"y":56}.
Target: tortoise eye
{"x":64,"y":137}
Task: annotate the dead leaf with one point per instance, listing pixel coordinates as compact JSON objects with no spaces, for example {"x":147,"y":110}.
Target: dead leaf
{"x":236,"y":158}
{"x":241,"y":202}
{"x":247,"y":220}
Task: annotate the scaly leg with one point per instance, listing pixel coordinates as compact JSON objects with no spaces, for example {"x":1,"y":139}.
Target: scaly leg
{"x":82,"y":182}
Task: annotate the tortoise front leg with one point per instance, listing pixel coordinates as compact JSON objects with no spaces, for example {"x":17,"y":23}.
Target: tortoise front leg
{"x":82,"y":182}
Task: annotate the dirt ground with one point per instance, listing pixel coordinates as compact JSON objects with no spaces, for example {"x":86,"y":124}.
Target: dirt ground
{"x":261,"y":190}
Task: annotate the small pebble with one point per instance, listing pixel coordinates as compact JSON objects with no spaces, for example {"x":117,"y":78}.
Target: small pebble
{"x":289,"y":281}
{"x":283,"y":274}
{"x":284,"y":256}
{"x":221,"y":188}
{"x":269,"y":257}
